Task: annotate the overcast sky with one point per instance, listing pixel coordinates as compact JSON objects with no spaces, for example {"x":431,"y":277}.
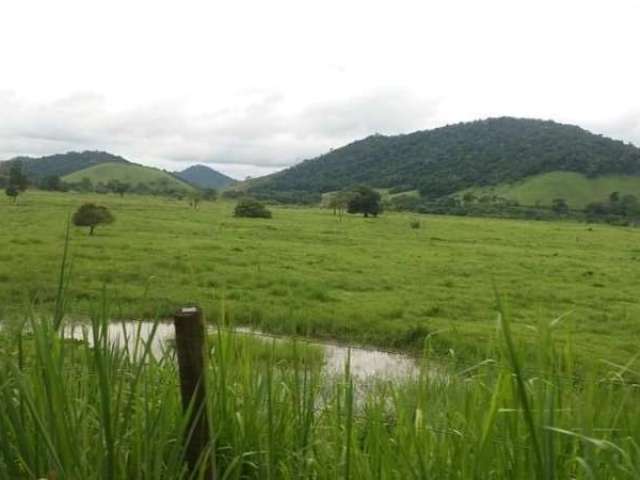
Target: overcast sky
{"x":253,"y":87}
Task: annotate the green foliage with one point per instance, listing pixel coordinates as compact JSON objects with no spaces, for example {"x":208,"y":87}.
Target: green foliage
{"x":365,"y":200}
{"x":559,"y":205}
{"x":91,"y":215}
{"x":338,"y":201}
{"x":619,"y":210}
{"x":194,"y":199}
{"x":60,"y":165}
{"x":446,"y":160}
{"x":210,"y":194}
{"x":251,"y":208}
{"x":233,"y":194}
{"x":90,"y":409}
{"x":116,"y":186}
{"x":12,"y":192}
{"x":17,"y":178}
{"x":17,"y":182}
{"x":52,"y":183}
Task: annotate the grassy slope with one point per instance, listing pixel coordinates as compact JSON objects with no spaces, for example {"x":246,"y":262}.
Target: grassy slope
{"x":576,"y":188}
{"x":132,"y":174}
{"x":372,"y":280}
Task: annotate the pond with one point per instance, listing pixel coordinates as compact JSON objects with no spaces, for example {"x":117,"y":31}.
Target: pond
{"x":365,"y":362}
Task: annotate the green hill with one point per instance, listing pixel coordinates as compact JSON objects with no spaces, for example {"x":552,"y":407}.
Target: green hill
{"x":446,"y":160}
{"x":577,"y":189}
{"x":129,"y":173}
{"x":205,"y":177}
{"x":61,"y":164}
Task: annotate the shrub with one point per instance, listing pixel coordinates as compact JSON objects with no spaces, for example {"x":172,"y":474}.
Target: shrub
{"x":250,"y":208}
{"x":415,"y":224}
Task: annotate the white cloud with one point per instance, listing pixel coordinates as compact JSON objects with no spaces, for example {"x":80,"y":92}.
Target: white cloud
{"x":255,"y":86}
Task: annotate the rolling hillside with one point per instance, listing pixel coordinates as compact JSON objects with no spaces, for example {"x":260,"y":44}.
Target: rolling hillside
{"x":446,"y":160}
{"x":128,"y":173}
{"x":577,"y":189}
{"x":61,"y":164}
{"x":205,"y":177}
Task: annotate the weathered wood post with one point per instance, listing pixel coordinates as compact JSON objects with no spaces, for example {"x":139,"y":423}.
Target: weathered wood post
{"x":190,"y":346}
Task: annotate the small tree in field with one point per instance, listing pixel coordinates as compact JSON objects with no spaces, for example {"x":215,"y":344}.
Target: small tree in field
{"x":251,"y":208}
{"x":12,"y":192}
{"x":17,"y":182}
{"x":365,"y":200}
{"x":210,"y":194}
{"x":90,"y":215}
{"x":194,"y":199}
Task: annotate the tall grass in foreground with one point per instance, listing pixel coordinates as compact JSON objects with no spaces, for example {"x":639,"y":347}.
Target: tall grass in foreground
{"x":81,"y":412}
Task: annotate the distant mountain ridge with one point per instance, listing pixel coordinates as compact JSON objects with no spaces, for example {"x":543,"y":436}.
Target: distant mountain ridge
{"x":73,"y":166}
{"x":205,"y":177}
{"x":61,"y":164}
{"x":449,"y":159}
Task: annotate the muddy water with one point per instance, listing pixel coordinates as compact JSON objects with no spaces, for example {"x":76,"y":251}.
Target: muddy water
{"x":365,"y":362}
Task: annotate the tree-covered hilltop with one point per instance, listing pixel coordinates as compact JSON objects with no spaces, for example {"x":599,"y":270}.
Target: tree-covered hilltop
{"x":59,"y":165}
{"x":205,"y":177}
{"x":449,"y":159}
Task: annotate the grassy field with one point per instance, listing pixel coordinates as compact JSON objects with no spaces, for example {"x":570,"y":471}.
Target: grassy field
{"x":132,"y":174}
{"x":307,"y":272}
{"x":575,"y":188}
{"x":71,"y":412}
{"x":544,"y":398}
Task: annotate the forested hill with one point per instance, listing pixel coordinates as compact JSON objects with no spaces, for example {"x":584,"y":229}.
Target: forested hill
{"x":61,"y":164}
{"x":205,"y":177}
{"x":448,"y":159}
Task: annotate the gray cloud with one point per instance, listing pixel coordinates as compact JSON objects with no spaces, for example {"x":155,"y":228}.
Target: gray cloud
{"x":258,"y":138}
{"x":624,"y":127}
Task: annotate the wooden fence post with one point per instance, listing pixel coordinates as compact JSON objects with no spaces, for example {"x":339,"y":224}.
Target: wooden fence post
{"x":190,"y":347}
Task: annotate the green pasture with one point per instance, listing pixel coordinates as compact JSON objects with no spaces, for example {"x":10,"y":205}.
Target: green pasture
{"x":308,"y":272}
{"x":577,"y":189}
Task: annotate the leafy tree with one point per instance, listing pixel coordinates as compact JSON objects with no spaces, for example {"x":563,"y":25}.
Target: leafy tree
{"x":52,"y":183}
{"x":210,"y":194}
{"x":559,"y":205}
{"x":364,"y":200}
{"x":91,"y":215}
{"x":251,"y":208}
{"x":469,"y":197}
{"x":17,"y":181}
{"x":194,"y":199}
{"x":405,"y":202}
{"x":596,"y":209}
{"x":339,"y":201}
{"x":85,"y":185}
{"x":614,"y":197}
{"x":232,"y":194}
{"x":630,"y":204}
{"x":12,"y":192}
{"x":142,"y":189}
{"x":116,"y":186}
